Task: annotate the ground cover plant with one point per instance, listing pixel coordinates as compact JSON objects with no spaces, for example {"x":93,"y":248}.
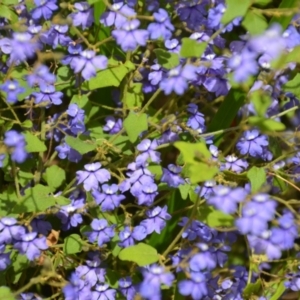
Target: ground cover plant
{"x":149,"y":149}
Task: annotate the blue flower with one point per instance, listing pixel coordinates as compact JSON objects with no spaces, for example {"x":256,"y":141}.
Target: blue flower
{"x":171,"y":176}
{"x":92,"y":176}
{"x":127,"y":288}
{"x":84,"y":16}
{"x":44,"y":9}
{"x":128,"y":236}
{"x":48,"y":95}
{"x":148,"y":151}
{"x":102,"y":233}
{"x":12,"y":89}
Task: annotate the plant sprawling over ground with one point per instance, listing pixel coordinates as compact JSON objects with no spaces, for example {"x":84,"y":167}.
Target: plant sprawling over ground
{"x":149,"y":149}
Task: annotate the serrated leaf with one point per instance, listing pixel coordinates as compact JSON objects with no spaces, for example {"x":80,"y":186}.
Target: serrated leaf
{"x":266,"y":124}
{"x":36,"y":199}
{"x":166,"y":59}
{"x":261,"y":102}
{"x":141,"y":254}
{"x":80,"y":100}
{"x":5,"y":292}
{"x":72,"y":244}
{"x":234,"y":9}
{"x":135,"y":96}
{"x":135,"y":124}
{"x":33,"y":143}
{"x":192,"y":48}
{"x":7,"y":13}
{"x":293,"y":86}
{"x":80,"y":146}
{"x":55,"y":176}
{"x":199,"y":172}
{"x":193,"y":152}
{"x":112,"y":76}
{"x":214,"y":218}
{"x":255,"y":23}
{"x":184,"y":190}
{"x":257,"y":177}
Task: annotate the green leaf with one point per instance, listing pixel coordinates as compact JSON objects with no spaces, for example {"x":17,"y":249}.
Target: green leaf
{"x":25,"y":177}
{"x":5,"y":292}
{"x":79,"y":145}
{"x":255,"y":23}
{"x":99,"y":8}
{"x":27,"y":124}
{"x":72,"y":244}
{"x":266,"y":124}
{"x":228,"y":110}
{"x":278,"y":291}
{"x":166,"y":59}
{"x":80,"y":100}
{"x":36,"y":199}
{"x":262,"y":2}
{"x":141,"y":254}
{"x":135,"y":96}
{"x":10,"y":2}
{"x":293,"y":86}
{"x":55,"y":176}
{"x":257,"y":177}
{"x":193,"y":152}
{"x":19,"y":264}
{"x":33,"y":143}
{"x":235,"y":8}
{"x":215,"y":218}
{"x":252,"y":289}
{"x":192,"y":48}
{"x":135,"y":124}
{"x":283,"y":19}
{"x":112,"y":76}
{"x":261,"y":102}
{"x":184,"y":190}
{"x":200,"y":172}
{"x":7,"y":13}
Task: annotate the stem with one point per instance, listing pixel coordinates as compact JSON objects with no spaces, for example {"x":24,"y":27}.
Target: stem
{"x":16,"y":180}
{"x":150,"y":101}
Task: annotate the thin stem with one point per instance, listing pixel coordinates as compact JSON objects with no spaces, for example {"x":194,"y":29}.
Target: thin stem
{"x":16,"y":180}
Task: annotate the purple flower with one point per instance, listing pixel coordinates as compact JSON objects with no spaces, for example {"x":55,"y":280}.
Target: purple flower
{"x":286,"y":233}
{"x":44,"y":9}
{"x":112,"y":125}
{"x":128,"y":236}
{"x":41,"y":226}
{"x":252,"y":143}
{"x":235,"y":164}
{"x":156,"y":219}
{"x":226,"y":199}
{"x":87,"y":63}
{"x":91,"y":273}
{"x":56,"y":36}
{"x":127,"y":288}
{"x":271,"y":42}
{"x":147,"y":148}
{"x":178,"y":78}
{"x":243,"y":64}
{"x":156,"y":74}
{"x":162,"y":28}
{"x":196,"y":286}
{"x":147,"y":194}
{"x":48,"y":94}
{"x":154,"y":275}
{"x":12,"y":89}
{"x":4,"y":258}
{"x":70,"y":215}
{"x":196,"y":119}
{"x":202,"y":260}
{"x":102,"y":233}
{"x":76,"y":289}
{"x":92,"y":176}
{"x":31,"y":245}
{"x":108,"y":199}
{"x":206,"y":190}
{"x":129,"y":36}
{"x":173,"y":45}
{"x":65,"y":151}
{"x":102,"y":291}
{"x":76,"y":121}
{"x":215,"y":15}
{"x":117,"y":15}
{"x":84,"y":17}
{"x":17,"y":141}
{"x":171,"y":176}
{"x":74,"y":52}
{"x":41,"y":75}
